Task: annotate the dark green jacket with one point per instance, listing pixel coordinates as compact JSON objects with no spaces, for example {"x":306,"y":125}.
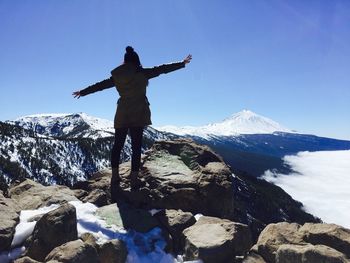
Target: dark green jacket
{"x":131,"y":83}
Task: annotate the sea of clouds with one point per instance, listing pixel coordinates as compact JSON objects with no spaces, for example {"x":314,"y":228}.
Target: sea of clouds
{"x":321,"y":181}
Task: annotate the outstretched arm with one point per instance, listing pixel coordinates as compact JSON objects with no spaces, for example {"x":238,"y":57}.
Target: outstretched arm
{"x":166,"y":68}
{"x":104,"y":84}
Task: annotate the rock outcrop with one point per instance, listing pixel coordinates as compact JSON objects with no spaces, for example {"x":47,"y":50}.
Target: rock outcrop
{"x":53,"y":229}
{"x":9,"y":217}
{"x":291,"y":242}
{"x":73,"y":252}
{"x":32,"y":195}
{"x":216,"y":240}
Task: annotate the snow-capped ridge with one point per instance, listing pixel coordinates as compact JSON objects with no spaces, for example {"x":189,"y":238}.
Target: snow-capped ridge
{"x":66,"y":124}
{"x":243,"y":122}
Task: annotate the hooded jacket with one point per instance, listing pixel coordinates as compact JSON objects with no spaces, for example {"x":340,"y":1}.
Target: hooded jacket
{"x":131,"y":83}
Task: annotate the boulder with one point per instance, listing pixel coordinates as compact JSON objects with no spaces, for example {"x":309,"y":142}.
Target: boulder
{"x":73,"y":252}
{"x":89,"y":239}
{"x":128,"y":217}
{"x":98,"y":197}
{"x":331,"y":235}
{"x":113,"y":251}
{"x":216,"y":240}
{"x":32,"y":195}
{"x":9,"y":218}
{"x":275,"y":235}
{"x":25,"y":260}
{"x":309,"y":254}
{"x":253,"y":258}
{"x":182,"y":175}
{"x":175,"y":221}
{"x":53,"y":229}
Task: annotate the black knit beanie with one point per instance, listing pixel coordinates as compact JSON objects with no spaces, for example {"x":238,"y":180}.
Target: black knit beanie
{"x":131,"y":56}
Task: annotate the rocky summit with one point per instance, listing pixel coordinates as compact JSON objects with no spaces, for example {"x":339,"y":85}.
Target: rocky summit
{"x":187,"y":195}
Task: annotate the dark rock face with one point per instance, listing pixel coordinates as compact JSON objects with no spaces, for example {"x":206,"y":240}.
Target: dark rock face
{"x":9,"y":217}
{"x":53,"y":229}
{"x":73,"y":252}
{"x":285,"y":242}
{"x":216,"y":240}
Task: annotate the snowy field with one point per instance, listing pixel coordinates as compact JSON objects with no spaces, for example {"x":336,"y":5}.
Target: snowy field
{"x":321,"y":181}
{"x":142,"y":248}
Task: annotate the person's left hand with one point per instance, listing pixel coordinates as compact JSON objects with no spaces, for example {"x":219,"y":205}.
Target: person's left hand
{"x":187,"y":59}
{"x":76,"y":94}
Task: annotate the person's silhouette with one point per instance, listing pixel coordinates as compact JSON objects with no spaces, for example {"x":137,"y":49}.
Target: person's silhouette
{"x":133,"y":112}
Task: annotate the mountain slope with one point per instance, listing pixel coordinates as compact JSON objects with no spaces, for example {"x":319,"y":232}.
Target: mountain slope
{"x":59,"y":149}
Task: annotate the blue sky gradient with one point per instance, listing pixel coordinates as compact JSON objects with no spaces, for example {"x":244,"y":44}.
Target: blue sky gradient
{"x":286,"y":60}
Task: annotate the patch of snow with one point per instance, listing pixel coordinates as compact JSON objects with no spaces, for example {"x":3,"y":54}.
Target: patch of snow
{"x":142,"y":247}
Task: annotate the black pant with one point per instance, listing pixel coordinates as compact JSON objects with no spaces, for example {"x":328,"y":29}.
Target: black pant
{"x":136,"y":143}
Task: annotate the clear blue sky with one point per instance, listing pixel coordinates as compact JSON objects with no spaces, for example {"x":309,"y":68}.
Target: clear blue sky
{"x":287,"y":60}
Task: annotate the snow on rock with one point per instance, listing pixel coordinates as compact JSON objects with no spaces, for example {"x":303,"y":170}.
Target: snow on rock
{"x":244,"y":122}
{"x":142,"y":247}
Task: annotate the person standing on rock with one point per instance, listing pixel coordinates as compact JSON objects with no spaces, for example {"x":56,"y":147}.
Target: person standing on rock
{"x":133,"y":112}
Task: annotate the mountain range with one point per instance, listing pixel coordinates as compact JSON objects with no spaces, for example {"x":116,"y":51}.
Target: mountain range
{"x":253,"y":143}
{"x":66,"y":148}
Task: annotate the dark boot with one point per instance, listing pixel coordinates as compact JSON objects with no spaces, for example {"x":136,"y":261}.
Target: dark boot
{"x":115,"y":181}
{"x":134,"y":180}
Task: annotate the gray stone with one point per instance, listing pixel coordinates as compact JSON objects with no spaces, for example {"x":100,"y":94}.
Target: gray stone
{"x":25,"y":260}
{"x":98,"y":197}
{"x":9,"y":218}
{"x":331,"y":235}
{"x":216,"y":240}
{"x":113,"y":251}
{"x":32,"y":195}
{"x":53,"y":229}
{"x":175,"y":221}
{"x":253,"y":258}
{"x":309,"y":254}
{"x":73,"y":252}
{"x":275,"y":235}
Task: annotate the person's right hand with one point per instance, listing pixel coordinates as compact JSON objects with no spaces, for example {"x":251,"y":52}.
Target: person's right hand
{"x":187,"y":59}
{"x":76,"y":94}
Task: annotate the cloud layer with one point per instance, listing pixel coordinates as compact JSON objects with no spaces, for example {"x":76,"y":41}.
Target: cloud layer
{"x":321,"y":181}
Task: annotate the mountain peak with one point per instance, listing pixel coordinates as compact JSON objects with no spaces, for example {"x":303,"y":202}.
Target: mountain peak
{"x":243,"y":122}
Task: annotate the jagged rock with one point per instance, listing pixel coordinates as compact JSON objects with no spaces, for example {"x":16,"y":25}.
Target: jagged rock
{"x":253,"y":258}
{"x":183,"y":175}
{"x":128,"y":217}
{"x":113,"y":251}
{"x":216,"y":240}
{"x":89,"y":239}
{"x":309,"y":254}
{"x":32,"y":195}
{"x":53,"y":229}
{"x":25,"y":260}
{"x":98,"y":197}
{"x":175,"y":221}
{"x":275,"y":235}
{"x":73,"y":252}
{"x":331,"y":235}
{"x":9,"y":217}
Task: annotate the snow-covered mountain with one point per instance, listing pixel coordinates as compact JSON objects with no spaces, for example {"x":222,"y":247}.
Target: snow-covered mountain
{"x":59,"y":148}
{"x":244,"y":122}
{"x":79,"y":125}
